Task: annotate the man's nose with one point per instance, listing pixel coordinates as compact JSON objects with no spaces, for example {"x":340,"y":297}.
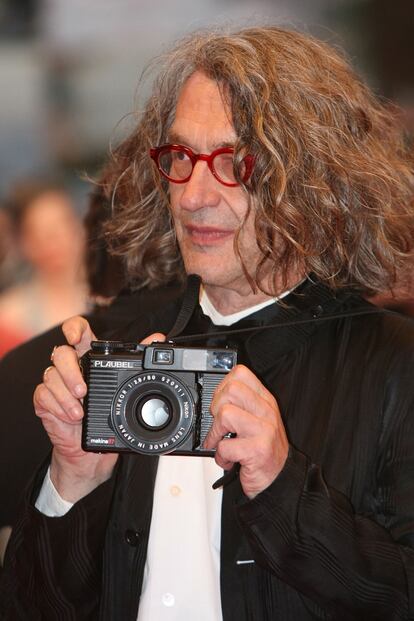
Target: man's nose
{"x":202,"y":189}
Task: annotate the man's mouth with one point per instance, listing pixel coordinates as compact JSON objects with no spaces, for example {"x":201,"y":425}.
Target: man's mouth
{"x":207,"y":235}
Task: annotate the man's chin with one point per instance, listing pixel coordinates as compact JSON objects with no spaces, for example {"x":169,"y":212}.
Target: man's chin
{"x":209,"y":272}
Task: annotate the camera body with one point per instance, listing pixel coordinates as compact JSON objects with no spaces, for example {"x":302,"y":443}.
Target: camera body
{"x":150,"y":399}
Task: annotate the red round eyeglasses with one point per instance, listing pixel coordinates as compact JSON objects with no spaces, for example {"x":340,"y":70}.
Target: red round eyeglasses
{"x":176,"y":163}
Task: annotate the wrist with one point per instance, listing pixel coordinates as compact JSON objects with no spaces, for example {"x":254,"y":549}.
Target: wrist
{"x":76,"y":477}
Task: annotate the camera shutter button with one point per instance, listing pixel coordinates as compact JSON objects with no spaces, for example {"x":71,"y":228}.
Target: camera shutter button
{"x":133,"y":537}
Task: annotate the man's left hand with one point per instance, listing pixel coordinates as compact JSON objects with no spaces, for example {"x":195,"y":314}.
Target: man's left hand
{"x":243,"y":406}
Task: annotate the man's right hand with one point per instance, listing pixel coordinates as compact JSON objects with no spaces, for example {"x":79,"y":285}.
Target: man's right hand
{"x":57,"y":401}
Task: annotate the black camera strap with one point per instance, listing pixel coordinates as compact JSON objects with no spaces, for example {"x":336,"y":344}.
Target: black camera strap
{"x":285,"y":324}
{"x":189,"y":303}
{"x":228,"y":476}
{"x":191,"y":300}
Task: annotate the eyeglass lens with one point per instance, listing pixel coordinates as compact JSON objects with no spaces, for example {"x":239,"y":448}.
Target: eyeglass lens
{"x":178,"y":165}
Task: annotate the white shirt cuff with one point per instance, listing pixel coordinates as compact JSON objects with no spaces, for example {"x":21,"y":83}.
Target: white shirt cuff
{"x":49,"y":502}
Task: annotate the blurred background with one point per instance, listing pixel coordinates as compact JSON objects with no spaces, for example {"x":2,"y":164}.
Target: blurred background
{"x":69,"y":71}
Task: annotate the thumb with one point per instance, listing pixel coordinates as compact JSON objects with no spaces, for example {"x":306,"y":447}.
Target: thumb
{"x":78,"y":333}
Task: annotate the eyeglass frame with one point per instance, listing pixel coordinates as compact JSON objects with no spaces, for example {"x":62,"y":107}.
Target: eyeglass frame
{"x":155,"y":153}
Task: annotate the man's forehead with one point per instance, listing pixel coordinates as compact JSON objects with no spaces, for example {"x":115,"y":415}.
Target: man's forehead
{"x":176,"y":137}
{"x":198,"y":83}
{"x":202,"y":109}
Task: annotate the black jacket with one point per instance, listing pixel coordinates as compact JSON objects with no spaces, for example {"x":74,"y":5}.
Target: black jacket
{"x":332,"y":536}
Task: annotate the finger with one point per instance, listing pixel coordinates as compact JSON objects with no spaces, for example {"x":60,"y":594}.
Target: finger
{"x":226,"y":464}
{"x":66,"y":361}
{"x":156,"y":337}
{"x":231,"y":451}
{"x":246,"y":451}
{"x":232,"y":419}
{"x":78,"y":333}
{"x":238,"y":393}
{"x":57,"y":391}
{"x":44,"y":402}
{"x":260,"y":458}
{"x":57,"y":401}
{"x":240,"y":373}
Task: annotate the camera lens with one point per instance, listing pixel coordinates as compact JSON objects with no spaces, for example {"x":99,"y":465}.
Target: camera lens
{"x":155,"y":413}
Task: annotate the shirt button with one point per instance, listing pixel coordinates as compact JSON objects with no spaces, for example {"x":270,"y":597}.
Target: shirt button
{"x":168,"y":599}
{"x":132,"y":537}
{"x":317,"y":311}
{"x":175,"y":490}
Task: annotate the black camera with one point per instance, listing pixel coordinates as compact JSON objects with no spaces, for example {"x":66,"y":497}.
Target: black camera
{"x":150,"y":399}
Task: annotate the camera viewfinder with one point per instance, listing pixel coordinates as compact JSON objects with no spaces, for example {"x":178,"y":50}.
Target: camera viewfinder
{"x":222,"y":360}
{"x":163,"y":356}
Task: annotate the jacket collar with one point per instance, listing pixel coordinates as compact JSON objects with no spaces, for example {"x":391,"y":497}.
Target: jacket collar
{"x":270,"y":332}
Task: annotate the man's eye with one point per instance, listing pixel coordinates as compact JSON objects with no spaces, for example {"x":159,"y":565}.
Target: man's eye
{"x":180,"y":156}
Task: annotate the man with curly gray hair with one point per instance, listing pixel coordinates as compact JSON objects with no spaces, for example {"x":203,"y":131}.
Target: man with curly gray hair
{"x":264,"y":166}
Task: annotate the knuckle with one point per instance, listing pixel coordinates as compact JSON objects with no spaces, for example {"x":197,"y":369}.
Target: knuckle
{"x":241,"y":371}
{"x":63,"y":353}
{"x":224,"y":414}
{"x":232,"y":389}
{"x":67,"y":403}
{"x":57,"y":354}
{"x":40,"y":395}
{"x":229,"y":391}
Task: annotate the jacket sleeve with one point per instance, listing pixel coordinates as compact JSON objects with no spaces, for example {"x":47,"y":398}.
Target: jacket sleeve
{"x":353,"y":566}
{"x":53,"y":566}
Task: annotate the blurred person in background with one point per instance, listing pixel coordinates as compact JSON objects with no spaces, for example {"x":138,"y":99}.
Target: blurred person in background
{"x":4,"y":241}
{"x":9,"y":260}
{"x":10,"y":271}
{"x":50,"y":238}
{"x":21,"y":369}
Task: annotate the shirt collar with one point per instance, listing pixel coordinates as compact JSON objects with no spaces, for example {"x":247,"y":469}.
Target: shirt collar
{"x":227,"y":320}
